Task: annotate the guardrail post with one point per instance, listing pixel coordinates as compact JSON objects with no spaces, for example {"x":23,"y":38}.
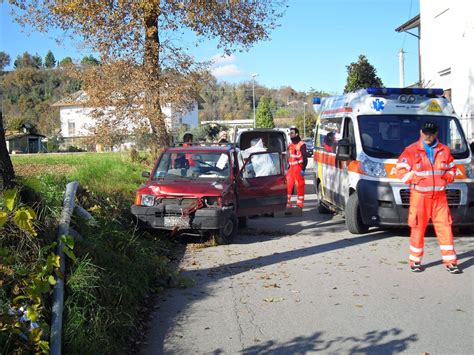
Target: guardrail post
{"x":58,"y":295}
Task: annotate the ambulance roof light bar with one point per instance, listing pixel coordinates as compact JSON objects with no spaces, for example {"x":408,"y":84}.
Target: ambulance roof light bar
{"x":407,"y":91}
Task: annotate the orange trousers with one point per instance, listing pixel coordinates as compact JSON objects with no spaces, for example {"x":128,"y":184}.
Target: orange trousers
{"x":434,"y":206}
{"x":294,"y":176}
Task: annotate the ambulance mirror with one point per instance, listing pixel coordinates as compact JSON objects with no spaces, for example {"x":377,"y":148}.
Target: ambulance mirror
{"x":343,"y":150}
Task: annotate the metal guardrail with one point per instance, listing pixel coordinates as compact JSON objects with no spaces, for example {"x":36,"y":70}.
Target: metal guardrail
{"x":58,"y":295}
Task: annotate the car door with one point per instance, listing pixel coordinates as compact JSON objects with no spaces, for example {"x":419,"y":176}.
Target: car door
{"x":261,"y":184}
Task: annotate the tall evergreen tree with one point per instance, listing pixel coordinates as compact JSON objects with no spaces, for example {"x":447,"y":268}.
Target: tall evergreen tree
{"x":361,"y":75}
{"x":264,"y":116}
{"x":49,"y":60}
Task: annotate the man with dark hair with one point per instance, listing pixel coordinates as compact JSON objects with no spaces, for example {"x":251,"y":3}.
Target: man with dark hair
{"x":428,"y":166}
{"x":187,"y":139}
{"x":297,"y":160}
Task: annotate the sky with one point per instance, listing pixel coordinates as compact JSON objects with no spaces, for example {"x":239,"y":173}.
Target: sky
{"x":310,"y":49}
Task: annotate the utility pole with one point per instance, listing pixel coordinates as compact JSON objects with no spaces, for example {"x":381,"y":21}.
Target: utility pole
{"x":253,"y":97}
{"x":304,"y":119}
{"x":401,"y":63}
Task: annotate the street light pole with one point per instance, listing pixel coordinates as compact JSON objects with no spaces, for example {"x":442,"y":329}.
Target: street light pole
{"x":253,"y":99}
{"x":304,"y":120}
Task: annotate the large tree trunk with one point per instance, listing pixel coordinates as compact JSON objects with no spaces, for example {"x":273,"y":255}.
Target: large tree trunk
{"x":151,"y":64}
{"x":7,"y":174}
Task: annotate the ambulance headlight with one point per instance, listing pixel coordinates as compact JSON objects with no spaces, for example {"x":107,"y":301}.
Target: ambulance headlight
{"x":373,"y":168}
{"x":468,"y":170}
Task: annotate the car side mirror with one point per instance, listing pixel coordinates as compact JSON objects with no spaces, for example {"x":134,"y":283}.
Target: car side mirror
{"x":343,"y":150}
{"x":146,"y":174}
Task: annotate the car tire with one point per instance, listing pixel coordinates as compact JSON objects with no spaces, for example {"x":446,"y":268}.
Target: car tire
{"x":226,"y":234}
{"x":354,"y":222}
{"x":322,"y":209}
{"x":243,"y":222}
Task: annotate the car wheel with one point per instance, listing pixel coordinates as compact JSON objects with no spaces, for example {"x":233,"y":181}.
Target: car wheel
{"x":321,"y":208}
{"x":353,"y":216}
{"x":243,"y":222}
{"x":226,"y":234}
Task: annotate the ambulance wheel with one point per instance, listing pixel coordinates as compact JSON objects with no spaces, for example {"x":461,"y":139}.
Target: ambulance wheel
{"x":321,"y":208}
{"x":226,"y":234}
{"x":353,"y":217}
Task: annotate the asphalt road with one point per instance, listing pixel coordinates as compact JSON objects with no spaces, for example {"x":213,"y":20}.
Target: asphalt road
{"x":306,"y":285}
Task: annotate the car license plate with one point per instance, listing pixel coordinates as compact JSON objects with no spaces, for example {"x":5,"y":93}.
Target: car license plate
{"x":176,"y":221}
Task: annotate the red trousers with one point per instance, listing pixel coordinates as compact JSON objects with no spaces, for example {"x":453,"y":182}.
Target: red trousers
{"x":294,"y":176}
{"x":424,"y":206}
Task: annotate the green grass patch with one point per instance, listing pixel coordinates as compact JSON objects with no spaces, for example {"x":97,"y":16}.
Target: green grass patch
{"x":116,"y":265}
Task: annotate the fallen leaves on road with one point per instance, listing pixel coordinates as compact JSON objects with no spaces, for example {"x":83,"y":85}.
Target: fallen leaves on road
{"x":272,"y":285}
{"x":273,"y":300}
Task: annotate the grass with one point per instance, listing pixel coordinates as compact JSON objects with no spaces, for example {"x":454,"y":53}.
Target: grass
{"x":116,"y":265}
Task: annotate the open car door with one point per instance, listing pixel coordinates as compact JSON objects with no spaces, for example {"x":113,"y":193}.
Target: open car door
{"x":261,"y":184}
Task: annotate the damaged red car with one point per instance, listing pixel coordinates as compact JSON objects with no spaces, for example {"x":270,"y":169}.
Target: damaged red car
{"x":210,"y":189}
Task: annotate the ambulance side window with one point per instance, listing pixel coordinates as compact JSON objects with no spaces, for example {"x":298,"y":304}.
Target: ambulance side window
{"x":349,"y":134}
{"x":328,"y":133}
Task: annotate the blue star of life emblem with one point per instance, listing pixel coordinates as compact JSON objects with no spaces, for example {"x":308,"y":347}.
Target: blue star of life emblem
{"x":378,"y":105}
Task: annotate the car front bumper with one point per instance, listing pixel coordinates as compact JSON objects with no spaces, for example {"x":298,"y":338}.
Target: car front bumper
{"x":380,"y":206}
{"x":170,"y":217}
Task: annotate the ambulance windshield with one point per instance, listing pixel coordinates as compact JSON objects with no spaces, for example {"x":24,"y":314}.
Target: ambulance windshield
{"x":386,"y":136}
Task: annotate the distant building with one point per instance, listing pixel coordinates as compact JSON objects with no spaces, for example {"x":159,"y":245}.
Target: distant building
{"x":76,"y":120}
{"x":24,"y":143}
{"x":446,"y":53}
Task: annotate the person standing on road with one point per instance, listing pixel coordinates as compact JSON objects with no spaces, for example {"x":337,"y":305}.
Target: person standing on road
{"x":428,"y":166}
{"x":297,"y":161}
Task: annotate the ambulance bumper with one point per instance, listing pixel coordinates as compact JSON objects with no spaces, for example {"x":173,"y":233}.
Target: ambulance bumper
{"x":386,"y":204}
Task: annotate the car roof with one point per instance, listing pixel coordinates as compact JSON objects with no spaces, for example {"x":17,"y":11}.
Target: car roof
{"x":198,"y":148}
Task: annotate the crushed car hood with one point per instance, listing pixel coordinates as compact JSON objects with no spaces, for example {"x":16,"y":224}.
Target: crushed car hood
{"x":185,"y":188}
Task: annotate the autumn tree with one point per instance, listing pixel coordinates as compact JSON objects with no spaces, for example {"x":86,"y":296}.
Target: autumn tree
{"x":144,"y":61}
{"x":49,"y":60}
{"x":65,"y":62}
{"x":361,"y":75}
{"x":264,"y":116}
{"x":4,"y":60}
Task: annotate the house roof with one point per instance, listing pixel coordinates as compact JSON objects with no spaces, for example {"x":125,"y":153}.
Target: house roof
{"x":21,"y":135}
{"x":410,"y":24}
{"x":78,"y":98}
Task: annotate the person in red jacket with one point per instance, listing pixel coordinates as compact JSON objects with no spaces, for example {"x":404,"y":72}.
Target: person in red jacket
{"x":297,"y":161}
{"x":428,"y":166}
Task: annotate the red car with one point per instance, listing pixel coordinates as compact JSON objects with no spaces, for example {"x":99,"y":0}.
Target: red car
{"x":210,"y":189}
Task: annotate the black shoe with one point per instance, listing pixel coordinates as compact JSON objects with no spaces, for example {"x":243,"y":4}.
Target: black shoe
{"x":416,"y":267}
{"x":453,"y":269}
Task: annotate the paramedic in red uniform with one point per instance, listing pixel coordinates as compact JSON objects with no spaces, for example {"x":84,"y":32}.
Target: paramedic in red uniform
{"x":428,"y":166}
{"x":188,"y":142}
{"x":297,"y":161}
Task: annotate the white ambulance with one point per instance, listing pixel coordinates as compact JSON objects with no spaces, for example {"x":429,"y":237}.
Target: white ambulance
{"x":359,"y":137}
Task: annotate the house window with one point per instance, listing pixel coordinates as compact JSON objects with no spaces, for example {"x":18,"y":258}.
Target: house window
{"x":71,"y":128}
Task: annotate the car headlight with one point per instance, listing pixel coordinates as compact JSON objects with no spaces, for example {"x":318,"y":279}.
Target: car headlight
{"x":373,"y":168}
{"x":468,"y":169}
{"x":148,"y":200}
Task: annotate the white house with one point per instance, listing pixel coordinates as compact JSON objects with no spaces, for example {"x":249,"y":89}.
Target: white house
{"x":446,"y":53}
{"x":76,"y":120}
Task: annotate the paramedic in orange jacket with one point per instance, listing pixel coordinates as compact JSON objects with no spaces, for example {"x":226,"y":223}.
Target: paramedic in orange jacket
{"x":428,"y":166}
{"x":297,"y":161}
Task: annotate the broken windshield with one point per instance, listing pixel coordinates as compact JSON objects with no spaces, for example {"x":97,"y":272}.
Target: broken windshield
{"x":193,"y":165}
{"x":386,"y":136}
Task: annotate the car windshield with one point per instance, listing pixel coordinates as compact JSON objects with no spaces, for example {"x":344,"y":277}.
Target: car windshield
{"x":386,"y":136}
{"x":192,"y":165}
